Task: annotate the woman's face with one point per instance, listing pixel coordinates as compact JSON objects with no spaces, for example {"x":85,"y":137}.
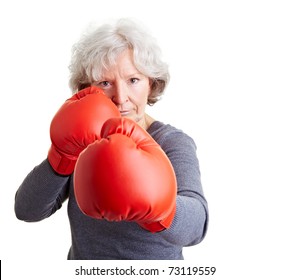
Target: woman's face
{"x":127,"y":88}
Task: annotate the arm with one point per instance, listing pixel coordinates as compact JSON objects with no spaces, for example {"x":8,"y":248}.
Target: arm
{"x":41,"y":193}
{"x":190,"y":222}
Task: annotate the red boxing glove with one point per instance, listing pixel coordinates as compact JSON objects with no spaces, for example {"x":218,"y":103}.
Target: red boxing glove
{"x":78,"y":123}
{"x":126,"y":176}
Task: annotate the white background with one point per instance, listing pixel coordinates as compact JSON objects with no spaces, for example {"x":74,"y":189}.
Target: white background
{"x":229,"y":63}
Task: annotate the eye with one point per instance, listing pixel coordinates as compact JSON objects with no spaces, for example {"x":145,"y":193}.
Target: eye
{"x":103,"y":84}
{"x":134,"y":80}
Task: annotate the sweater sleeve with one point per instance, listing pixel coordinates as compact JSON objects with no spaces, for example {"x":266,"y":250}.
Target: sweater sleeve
{"x":190,"y":222}
{"x":41,"y":193}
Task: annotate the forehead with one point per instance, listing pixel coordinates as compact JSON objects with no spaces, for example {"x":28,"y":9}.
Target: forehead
{"x":123,"y":65}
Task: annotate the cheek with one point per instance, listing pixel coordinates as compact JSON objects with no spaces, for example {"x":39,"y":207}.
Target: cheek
{"x":145,"y":92}
{"x":141,"y":100}
{"x":140,"y":94}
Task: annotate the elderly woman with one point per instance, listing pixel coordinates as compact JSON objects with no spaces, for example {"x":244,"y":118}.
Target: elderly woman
{"x":121,"y":205}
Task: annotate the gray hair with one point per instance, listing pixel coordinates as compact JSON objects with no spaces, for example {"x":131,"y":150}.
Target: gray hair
{"x":98,"y":50}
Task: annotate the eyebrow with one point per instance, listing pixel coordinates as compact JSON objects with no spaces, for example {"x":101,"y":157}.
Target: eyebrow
{"x":135,"y":74}
{"x":104,"y":78}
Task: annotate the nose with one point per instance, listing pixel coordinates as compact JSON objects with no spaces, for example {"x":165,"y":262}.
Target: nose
{"x":120,"y":95}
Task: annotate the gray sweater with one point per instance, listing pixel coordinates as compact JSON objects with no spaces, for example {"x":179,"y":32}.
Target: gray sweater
{"x":43,"y":191}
